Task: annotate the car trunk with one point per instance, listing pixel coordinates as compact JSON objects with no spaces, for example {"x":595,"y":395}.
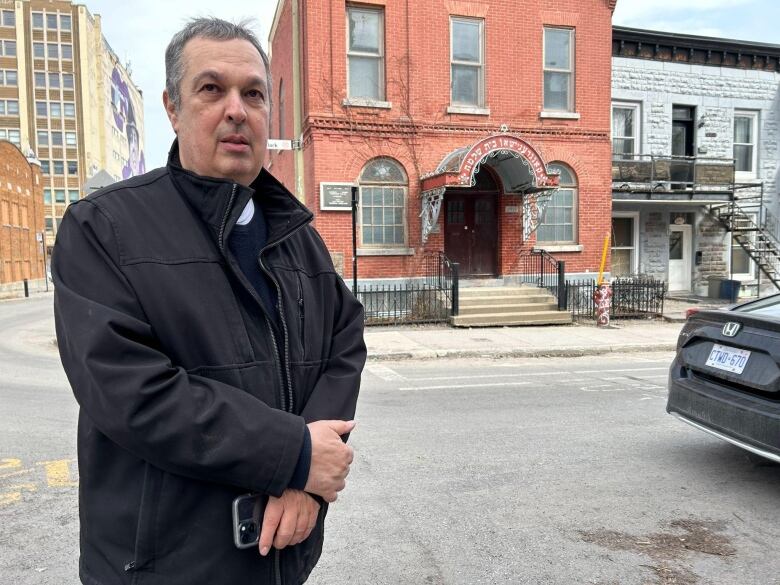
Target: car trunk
{"x":746,"y":361}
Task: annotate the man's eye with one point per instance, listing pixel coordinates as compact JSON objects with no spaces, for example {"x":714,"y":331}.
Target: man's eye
{"x":255,"y":94}
{"x":210,"y":87}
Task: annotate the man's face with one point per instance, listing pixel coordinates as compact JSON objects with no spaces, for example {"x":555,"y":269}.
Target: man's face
{"x":222,"y":120}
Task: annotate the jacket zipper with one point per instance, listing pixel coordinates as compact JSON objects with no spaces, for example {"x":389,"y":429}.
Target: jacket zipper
{"x":289,"y":404}
{"x":254,"y":295}
{"x":302,"y":315}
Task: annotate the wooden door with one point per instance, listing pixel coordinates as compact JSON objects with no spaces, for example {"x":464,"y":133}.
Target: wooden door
{"x":471,"y":233}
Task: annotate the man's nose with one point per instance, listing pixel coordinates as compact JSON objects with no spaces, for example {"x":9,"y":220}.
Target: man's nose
{"x":234,"y":108}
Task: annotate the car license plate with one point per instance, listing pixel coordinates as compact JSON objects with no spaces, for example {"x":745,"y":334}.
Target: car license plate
{"x":727,"y":358}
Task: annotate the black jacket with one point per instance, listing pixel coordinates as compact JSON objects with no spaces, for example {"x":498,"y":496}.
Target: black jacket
{"x":187,"y":398}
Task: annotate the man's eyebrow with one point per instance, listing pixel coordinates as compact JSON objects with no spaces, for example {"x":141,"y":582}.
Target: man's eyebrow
{"x":207,"y":74}
{"x":254,"y":80}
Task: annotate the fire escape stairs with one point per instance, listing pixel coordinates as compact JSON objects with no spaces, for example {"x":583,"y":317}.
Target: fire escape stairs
{"x":757,"y":241}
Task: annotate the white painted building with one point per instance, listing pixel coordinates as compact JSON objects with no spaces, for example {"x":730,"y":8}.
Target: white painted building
{"x":695,"y":130}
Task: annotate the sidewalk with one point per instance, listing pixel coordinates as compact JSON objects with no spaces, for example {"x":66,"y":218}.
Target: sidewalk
{"x":579,"y":339}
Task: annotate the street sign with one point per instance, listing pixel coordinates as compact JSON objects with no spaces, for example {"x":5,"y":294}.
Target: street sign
{"x":39,"y":236}
{"x":274,"y":144}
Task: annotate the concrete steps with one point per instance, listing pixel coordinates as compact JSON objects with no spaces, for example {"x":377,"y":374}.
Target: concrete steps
{"x":497,"y":306}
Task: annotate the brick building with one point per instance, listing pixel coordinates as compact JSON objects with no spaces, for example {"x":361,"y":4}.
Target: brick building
{"x":459,"y":122}
{"x":21,"y":220}
{"x":696,"y":131}
{"x":66,"y":97}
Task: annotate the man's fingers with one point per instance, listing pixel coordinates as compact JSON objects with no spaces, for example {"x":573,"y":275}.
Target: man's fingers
{"x":286,"y":529}
{"x":273,"y":514}
{"x":342,"y":427}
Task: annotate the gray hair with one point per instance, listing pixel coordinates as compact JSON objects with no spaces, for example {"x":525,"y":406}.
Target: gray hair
{"x":208,"y":28}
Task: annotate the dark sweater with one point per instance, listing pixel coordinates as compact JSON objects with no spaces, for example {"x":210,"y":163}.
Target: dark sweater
{"x":245,"y":243}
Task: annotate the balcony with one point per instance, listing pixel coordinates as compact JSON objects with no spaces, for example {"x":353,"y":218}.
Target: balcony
{"x":648,"y":177}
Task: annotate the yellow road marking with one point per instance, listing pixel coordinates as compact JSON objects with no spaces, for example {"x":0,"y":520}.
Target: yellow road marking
{"x":10,"y":463}
{"x":58,"y":473}
{"x":13,"y":494}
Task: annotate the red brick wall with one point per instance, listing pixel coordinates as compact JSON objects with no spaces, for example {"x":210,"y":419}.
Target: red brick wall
{"x":417,"y":130}
{"x":21,"y":216}
{"x":281,"y":163}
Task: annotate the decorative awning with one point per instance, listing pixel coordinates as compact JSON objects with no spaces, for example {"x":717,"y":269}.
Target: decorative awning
{"x":517,"y":164}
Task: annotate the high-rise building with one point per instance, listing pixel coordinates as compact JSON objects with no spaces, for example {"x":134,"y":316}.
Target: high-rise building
{"x":66,"y":98}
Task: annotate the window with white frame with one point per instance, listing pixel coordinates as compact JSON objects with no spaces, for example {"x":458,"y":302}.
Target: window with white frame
{"x":8,"y":18}
{"x":467,"y":61}
{"x":558,"y":69}
{"x":53,"y":50}
{"x":624,"y":244}
{"x":625,"y":129}
{"x":43,"y":138}
{"x":67,"y":52}
{"x":70,"y":138}
{"x":11,"y":135}
{"x":365,"y":53}
{"x":55,"y":110}
{"x":70,"y":109}
{"x":40,"y":79}
{"x":39,"y":50}
{"x":8,"y":48}
{"x":54,"y":80}
{"x":65,"y":21}
{"x":73,"y":195}
{"x":67,"y":80}
{"x":559,"y":221}
{"x":9,"y":77}
{"x":9,"y":107}
{"x":383,"y":188}
{"x":37,"y":19}
{"x":745,"y":143}
{"x":41,"y":109}
{"x":51,"y":21}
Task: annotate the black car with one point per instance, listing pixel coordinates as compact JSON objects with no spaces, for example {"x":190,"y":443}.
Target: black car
{"x":725,"y":378}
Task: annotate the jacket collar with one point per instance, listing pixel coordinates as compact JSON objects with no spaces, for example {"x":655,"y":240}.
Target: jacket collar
{"x":219,"y":202}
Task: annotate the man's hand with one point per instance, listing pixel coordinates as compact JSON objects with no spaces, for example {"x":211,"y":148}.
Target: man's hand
{"x":288,"y":520}
{"x":330,"y":458}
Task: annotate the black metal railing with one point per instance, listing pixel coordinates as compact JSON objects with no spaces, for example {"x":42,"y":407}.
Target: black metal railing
{"x":442,"y":273}
{"x":642,"y":172}
{"x":430,"y":299}
{"x":541,"y":269}
{"x":632,"y":296}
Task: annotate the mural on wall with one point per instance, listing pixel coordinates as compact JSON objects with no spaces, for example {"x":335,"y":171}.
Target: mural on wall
{"x":125,"y":121}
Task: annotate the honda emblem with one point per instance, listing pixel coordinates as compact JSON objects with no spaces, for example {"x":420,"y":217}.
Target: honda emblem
{"x":731,"y":329}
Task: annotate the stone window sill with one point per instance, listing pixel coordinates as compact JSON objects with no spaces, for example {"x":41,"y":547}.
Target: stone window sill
{"x":473,"y":110}
{"x":385,"y":252}
{"x":366,"y":103}
{"x":560,"y":115}
{"x":560,"y":248}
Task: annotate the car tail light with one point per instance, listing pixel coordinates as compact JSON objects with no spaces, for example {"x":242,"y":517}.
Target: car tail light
{"x":691,"y":311}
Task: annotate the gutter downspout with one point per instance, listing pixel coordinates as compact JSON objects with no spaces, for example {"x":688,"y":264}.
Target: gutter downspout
{"x":297,"y":103}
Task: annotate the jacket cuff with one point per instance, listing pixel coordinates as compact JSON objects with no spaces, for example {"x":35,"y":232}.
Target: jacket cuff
{"x":301,"y":474}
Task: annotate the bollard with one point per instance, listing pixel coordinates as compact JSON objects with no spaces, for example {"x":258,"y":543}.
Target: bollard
{"x":602,"y":296}
{"x":26,"y":288}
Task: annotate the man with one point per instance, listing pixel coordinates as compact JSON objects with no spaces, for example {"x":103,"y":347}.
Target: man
{"x":211,"y":346}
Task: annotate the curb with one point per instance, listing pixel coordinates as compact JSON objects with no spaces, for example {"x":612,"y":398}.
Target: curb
{"x":429,"y":354}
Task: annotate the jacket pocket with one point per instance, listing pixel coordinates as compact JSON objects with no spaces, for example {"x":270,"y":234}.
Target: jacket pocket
{"x":144,"y":550}
{"x":301,"y":316}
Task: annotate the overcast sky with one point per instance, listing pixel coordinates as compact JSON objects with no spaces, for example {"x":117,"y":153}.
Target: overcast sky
{"x":139,"y":31}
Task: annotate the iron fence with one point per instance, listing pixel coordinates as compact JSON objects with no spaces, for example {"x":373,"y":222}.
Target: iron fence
{"x":430,"y":299}
{"x":541,"y":269}
{"x":632,"y":296}
{"x":408,"y":302}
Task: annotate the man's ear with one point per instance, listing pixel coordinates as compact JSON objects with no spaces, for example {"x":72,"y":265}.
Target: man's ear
{"x":170,"y":109}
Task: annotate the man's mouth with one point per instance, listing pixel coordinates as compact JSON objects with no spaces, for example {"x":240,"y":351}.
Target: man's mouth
{"x":235,"y":139}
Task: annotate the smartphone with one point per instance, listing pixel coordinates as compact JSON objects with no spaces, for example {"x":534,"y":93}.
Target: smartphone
{"x":248,"y":513}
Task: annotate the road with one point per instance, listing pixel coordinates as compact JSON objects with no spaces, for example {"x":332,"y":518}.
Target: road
{"x":559,"y":471}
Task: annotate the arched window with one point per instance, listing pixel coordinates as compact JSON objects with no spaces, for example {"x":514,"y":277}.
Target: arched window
{"x":383,"y":187}
{"x":559,"y":223}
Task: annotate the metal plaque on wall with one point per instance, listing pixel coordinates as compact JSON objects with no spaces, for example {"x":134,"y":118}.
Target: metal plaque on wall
{"x":336,"y":196}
